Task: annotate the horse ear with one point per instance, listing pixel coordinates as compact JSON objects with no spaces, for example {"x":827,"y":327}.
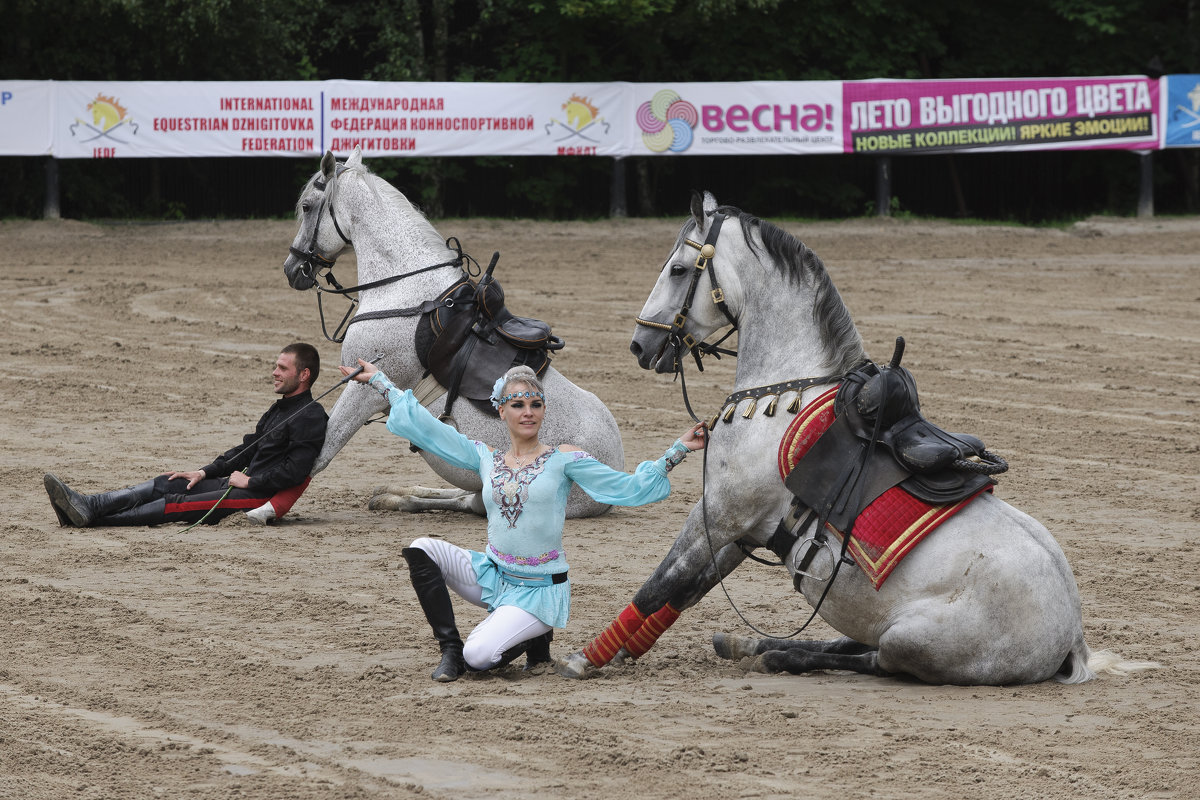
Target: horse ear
{"x":710,"y":204}
{"x":328,"y":163}
{"x":697,"y":208}
{"x":355,"y":158}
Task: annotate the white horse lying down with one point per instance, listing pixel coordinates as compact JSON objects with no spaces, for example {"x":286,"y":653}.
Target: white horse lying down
{"x":988,"y":598}
{"x":346,"y":203}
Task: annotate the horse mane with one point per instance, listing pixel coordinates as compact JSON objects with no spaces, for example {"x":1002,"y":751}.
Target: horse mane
{"x":387,"y":195}
{"x":796,"y":261}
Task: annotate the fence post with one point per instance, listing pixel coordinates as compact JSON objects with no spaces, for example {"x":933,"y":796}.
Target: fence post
{"x":1145,"y":206}
{"x":616,"y":189}
{"x":51,"y":208}
{"x":883,"y":186}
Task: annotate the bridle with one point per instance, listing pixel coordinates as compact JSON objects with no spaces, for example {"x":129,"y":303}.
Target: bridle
{"x":317,"y":265}
{"x":684,"y":342}
{"x":314,"y":264}
{"x":679,"y":340}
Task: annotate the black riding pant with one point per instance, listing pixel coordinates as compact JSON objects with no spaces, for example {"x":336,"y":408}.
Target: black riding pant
{"x":172,"y":501}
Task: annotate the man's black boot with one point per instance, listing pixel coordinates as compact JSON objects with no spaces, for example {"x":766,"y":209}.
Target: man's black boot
{"x":152,"y":513}
{"x":434,"y":597}
{"x":83,"y":510}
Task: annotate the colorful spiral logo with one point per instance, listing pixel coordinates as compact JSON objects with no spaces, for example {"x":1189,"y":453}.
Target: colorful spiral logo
{"x":667,"y":121}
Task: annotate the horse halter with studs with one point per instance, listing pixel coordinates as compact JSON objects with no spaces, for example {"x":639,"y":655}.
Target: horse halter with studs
{"x":686,"y":342}
{"x":313,"y":263}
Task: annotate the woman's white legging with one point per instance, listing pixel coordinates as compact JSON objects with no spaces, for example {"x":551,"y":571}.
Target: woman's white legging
{"x":503,"y":628}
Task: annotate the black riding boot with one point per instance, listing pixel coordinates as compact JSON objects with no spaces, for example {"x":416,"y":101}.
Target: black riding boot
{"x":434,"y":597}
{"x":152,"y":513}
{"x":83,"y":511}
{"x":539,"y":650}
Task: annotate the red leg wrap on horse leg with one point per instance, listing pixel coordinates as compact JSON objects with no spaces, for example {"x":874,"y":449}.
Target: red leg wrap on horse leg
{"x":601,"y":650}
{"x":655,"y":625}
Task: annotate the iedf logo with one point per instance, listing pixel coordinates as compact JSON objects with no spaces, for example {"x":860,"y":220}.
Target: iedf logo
{"x":667,"y":121}
{"x":109,"y":118}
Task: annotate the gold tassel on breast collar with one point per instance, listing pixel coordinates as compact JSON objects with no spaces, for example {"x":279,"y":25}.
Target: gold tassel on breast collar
{"x":775,"y":391}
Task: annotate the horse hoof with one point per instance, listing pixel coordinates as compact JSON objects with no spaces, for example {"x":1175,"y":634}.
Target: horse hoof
{"x":765,"y":663}
{"x":622,"y":658}
{"x":575,"y":666}
{"x":261,"y":515}
{"x":385,"y":502}
{"x":733,"y":647}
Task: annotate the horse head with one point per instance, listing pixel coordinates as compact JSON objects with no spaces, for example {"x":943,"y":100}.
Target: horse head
{"x":317,"y":245}
{"x":688,"y":302}
{"x":106,"y":112}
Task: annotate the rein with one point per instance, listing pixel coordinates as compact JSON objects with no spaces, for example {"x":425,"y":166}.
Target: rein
{"x":730,"y":405}
{"x":317,"y":265}
{"x":682,"y":343}
{"x":339,"y":332}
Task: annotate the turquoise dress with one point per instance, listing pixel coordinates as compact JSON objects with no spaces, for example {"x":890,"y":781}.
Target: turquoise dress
{"x":526,"y":508}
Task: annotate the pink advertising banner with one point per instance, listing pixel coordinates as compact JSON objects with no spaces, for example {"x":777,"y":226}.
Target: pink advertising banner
{"x":895,"y":117}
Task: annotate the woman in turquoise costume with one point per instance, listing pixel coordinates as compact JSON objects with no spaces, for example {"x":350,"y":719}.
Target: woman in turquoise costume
{"x":521,"y":578}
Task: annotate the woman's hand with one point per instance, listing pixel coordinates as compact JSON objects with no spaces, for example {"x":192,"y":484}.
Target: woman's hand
{"x":696,"y":438}
{"x":367,"y":372}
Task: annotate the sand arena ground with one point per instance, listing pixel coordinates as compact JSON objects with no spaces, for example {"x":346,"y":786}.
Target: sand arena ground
{"x":292,"y":661}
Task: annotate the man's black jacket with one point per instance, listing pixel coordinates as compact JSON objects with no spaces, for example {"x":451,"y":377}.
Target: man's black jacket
{"x":286,"y":456}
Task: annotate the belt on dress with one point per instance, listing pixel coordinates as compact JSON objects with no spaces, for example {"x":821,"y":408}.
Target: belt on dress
{"x":534,"y":580}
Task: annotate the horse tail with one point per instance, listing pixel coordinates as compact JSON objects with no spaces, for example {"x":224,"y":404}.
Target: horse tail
{"x":1082,"y":664}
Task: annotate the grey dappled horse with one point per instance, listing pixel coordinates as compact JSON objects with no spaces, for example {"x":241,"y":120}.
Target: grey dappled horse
{"x":346,"y":203}
{"x":986,"y":599}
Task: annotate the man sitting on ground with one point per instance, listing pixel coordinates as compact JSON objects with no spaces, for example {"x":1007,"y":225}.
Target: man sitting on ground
{"x":279,"y":455}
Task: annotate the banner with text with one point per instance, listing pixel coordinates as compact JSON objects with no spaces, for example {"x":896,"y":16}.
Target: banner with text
{"x":713,"y":119}
{"x":95,"y":119}
{"x":476,"y":119}
{"x":149,"y":119}
{"x":26,"y":114}
{"x":913,"y":117}
{"x":1181,"y":111}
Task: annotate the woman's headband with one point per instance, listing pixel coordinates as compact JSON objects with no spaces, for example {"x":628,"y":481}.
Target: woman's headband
{"x":498,"y":387}
{"x":525,"y":393}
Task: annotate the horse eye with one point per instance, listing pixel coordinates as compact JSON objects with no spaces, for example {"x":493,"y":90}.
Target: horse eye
{"x":677,"y":270}
{"x":306,"y":206}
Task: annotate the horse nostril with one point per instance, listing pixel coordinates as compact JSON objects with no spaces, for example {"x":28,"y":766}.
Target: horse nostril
{"x":636,"y":349}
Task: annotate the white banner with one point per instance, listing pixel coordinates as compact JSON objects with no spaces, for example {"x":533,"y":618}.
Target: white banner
{"x":26,"y":117}
{"x":713,"y":119}
{"x":476,"y":119}
{"x":69,"y":119}
{"x":149,"y":119}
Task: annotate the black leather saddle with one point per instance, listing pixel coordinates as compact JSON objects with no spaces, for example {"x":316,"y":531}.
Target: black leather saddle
{"x":880,"y":439}
{"x":470,"y":338}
